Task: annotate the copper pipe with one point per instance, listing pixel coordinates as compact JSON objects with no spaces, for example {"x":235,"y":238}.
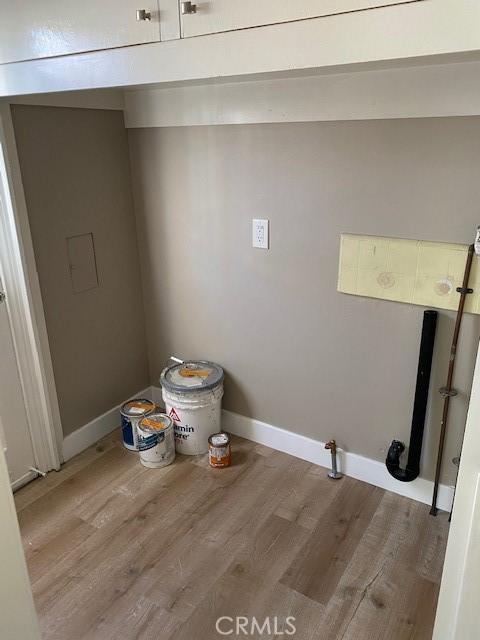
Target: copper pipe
{"x":447,"y":391}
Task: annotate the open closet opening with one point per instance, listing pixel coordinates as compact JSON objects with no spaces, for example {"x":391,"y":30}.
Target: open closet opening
{"x":142,"y":240}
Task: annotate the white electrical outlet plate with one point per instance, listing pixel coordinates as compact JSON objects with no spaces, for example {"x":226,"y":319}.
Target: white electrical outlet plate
{"x":260,"y":233}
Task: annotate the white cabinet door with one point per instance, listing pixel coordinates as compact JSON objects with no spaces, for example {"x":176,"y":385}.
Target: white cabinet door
{"x":18,"y":619}
{"x":19,"y":450}
{"x":227,"y":15}
{"x":42,"y":28}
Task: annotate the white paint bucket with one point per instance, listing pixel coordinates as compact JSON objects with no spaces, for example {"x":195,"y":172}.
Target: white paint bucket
{"x":156,"y":441}
{"x":192,"y":392}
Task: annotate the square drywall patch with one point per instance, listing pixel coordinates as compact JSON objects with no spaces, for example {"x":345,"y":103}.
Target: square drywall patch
{"x":82,"y":262}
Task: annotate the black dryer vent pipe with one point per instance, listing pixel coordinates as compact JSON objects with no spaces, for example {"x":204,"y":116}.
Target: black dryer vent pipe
{"x":419,"y":407}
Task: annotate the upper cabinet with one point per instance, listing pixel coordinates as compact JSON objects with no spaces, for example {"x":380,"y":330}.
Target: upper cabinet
{"x":42,"y":28}
{"x":200,"y":18}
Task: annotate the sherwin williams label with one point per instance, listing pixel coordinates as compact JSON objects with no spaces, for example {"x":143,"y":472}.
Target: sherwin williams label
{"x":149,"y":441}
{"x":183,"y":432}
{"x":127,"y":432}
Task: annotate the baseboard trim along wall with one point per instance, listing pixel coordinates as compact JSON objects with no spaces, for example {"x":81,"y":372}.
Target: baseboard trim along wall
{"x":25,"y":479}
{"x":351,"y":464}
{"x":93,"y":431}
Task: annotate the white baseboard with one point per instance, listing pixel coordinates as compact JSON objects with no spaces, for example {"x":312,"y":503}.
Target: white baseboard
{"x":157,"y":395}
{"x":351,"y":464}
{"x":25,"y":479}
{"x":93,"y":431}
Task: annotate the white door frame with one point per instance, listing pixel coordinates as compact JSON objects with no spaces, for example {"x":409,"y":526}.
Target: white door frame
{"x":457,"y":609}
{"x":25,"y":307}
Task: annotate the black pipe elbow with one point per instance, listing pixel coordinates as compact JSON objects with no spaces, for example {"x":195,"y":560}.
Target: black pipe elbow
{"x":393,"y":463}
{"x":396,"y":449}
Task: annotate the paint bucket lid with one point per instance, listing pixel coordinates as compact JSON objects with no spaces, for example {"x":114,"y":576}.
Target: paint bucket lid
{"x":191,"y":376}
{"x":155,"y":423}
{"x":137,"y":408}
{"x":219,"y":439}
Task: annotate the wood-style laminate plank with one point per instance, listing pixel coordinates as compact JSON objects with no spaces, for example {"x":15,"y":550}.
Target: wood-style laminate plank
{"x":35,"y":490}
{"x":117,"y":551}
{"x":41,"y":518}
{"x":319,"y":565}
{"x":393,"y":534}
{"x":134,"y":618}
{"x":250,"y":583}
{"x":397,"y":605}
{"x":309,"y":498}
{"x":72,"y":534}
{"x":143,"y":539}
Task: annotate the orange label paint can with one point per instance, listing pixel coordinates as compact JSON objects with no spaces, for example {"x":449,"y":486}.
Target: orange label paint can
{"x":219,"y":450}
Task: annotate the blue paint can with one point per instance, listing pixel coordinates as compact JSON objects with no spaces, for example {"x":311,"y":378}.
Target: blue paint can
{"x":132,"y":412}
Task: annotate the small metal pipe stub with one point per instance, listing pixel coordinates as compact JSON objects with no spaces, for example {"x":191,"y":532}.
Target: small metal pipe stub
{"x":334,"y":473}
{"x":446,"y":392}
{"x":35,"y":470}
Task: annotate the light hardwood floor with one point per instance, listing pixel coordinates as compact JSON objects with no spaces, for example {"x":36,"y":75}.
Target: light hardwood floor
{"x":116,"y":551}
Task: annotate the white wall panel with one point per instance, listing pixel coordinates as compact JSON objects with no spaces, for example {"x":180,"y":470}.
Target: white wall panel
{"x":436,"y":90}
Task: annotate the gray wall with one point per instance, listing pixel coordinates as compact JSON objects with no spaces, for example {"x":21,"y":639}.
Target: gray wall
{"x":297,"y":353}
{"x":76,"y":174}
